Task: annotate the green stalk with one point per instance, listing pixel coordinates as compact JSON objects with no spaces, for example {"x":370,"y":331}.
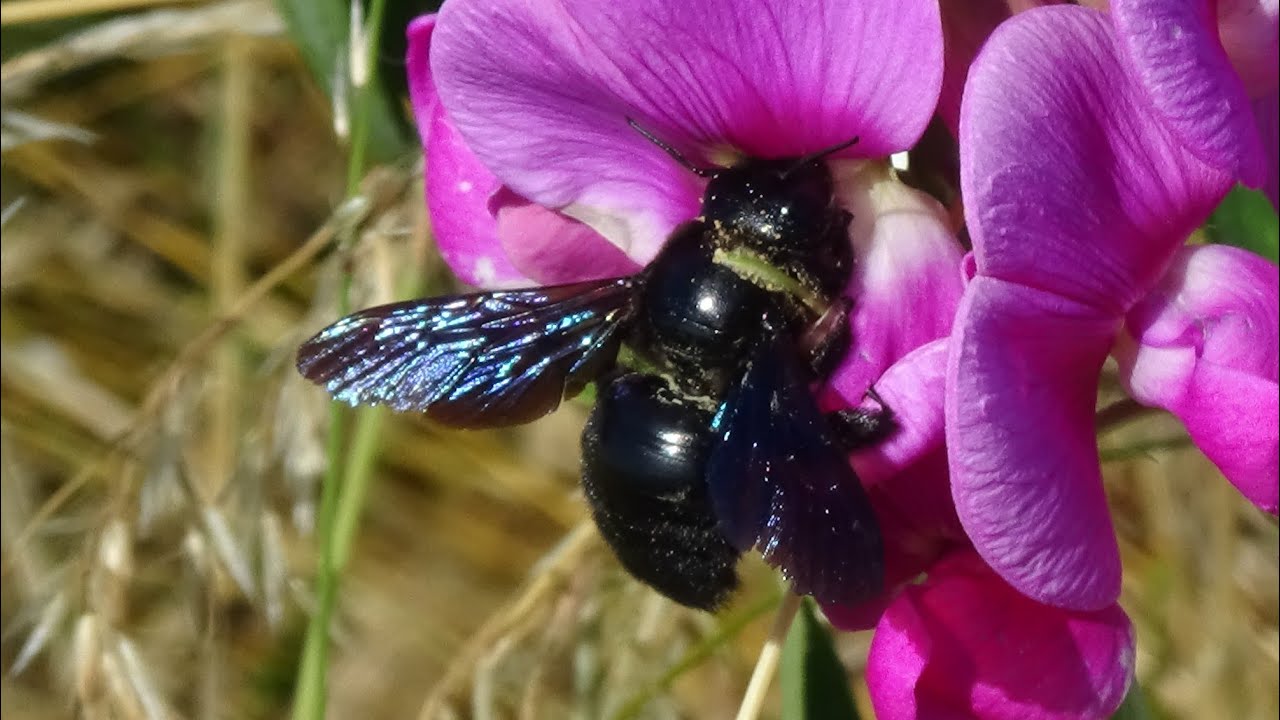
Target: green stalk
{"x":336,"y":499}
{"x":310,"y":694}
{"x":355,"y":482}
{"x":730,"y":626}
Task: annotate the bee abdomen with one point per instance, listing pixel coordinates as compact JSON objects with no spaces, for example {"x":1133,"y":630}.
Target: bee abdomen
{"x":643,"y":471}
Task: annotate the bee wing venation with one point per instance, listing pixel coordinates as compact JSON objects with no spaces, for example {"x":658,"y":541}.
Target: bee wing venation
{"x":480,"y":360}
{"x":779,"y":482}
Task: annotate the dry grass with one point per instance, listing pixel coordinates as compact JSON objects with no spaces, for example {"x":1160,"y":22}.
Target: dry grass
{"x":162,"y":255}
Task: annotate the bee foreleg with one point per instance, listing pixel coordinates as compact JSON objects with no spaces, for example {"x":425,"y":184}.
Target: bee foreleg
{"x":857,"y":428}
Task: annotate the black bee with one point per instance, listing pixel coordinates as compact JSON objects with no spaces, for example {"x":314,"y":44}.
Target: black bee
{"x":711,"y":441}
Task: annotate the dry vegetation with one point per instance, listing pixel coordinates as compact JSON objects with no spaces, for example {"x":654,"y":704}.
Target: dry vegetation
{"x":172,"y":193}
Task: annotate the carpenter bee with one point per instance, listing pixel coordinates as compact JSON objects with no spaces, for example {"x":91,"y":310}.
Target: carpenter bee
{"x":708,"y":440}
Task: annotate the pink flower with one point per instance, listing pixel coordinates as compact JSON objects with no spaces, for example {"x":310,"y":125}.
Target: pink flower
{"x":1080,"y":195}
{"x":534,"y":176}
{"x":964,"y":643}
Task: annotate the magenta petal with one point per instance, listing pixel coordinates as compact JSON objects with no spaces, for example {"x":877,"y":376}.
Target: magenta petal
{"x":913,"y":390}
{"x":966,"y":645}
{"x":458,"y":191}
{"x":1205,"y":348}
{"x":457,"y":185}
{"x":489,"y":236}
{"x":1174,"y":51}
{"x":1021,"y":390}
{"x":906,"y":285}
{"x":1070,"y":184}
{"x":542,"y":91}
{"x":422,"y":86}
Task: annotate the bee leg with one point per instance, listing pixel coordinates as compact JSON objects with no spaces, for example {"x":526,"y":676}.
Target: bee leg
{"x":857,"y":428}
{"x":827,"y":340}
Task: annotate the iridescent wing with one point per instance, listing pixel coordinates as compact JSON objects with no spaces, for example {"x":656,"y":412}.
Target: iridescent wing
{"x":781,"y":483}
{"x":482,"y":360}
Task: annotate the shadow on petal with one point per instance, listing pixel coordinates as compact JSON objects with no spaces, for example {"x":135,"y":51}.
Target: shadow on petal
{"x":552,"y":248}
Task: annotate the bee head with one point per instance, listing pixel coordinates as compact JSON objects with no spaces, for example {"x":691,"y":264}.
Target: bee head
{"x":789,"y":201}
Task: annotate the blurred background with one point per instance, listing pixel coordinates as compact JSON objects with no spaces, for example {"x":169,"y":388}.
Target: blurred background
{"x":186,"y":187}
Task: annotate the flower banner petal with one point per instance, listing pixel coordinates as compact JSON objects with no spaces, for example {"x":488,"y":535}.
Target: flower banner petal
{"x":541,"y":90}
{"x":1204,"y":346}
{"x":1070,"y":184}
{"x":1174,"y":50}
{"x":964,"y":644}
{"x":1021,"y":392}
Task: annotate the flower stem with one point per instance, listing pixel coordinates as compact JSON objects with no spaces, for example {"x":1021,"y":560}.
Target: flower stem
{"x":336,"y":501}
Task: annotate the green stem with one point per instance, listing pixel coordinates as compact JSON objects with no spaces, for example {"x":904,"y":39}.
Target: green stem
{"x":355,"y":481}
{"x":729,"y":628}
{"x":339,"y":502}
{"x":310,"y":695}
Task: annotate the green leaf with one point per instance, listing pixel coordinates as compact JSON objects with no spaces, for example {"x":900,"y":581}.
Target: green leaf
{"x":321,"y":29}
{"x":1135,"y":706}
{"x":1247,"y":220}
{"x":814,"y":684}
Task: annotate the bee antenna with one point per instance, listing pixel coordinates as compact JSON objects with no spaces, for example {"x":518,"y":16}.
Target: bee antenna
{"x":674,"y":153}
{"x":816,"y":156}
